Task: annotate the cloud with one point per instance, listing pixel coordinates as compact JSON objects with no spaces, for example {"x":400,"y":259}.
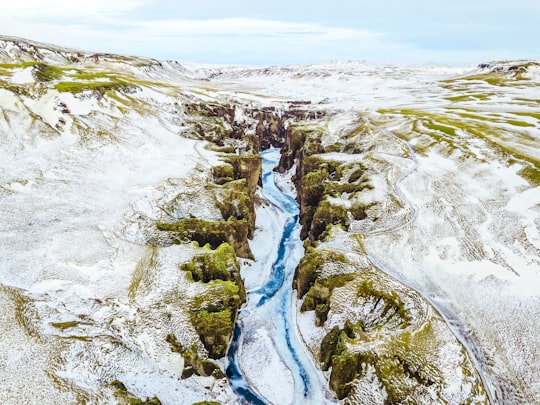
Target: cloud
{"x":248,"y":27}
{"x":243,"y":40}
{"x":229,"y":40}
{"x":31,"y":9}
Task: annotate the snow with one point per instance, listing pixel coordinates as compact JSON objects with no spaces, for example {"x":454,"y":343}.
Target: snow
{"x":266,"y":370}
{"x":70,"y":225}
{"x":22,"y":76}
{"x":79,"y":191}
{"x":269,"y":354}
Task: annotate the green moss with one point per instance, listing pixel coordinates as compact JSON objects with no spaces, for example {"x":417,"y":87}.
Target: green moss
{"x":321,"y":313}
{"x":393,"y":303}
{"x":234,"y":232}
{"x":220,"y":296}
{"x":356,"y":175}
{"x":320,"y":292}
{"x":147,"y":401}
{"x":531,"y":174}
{"x":507,"y":141}
{"x":20,"y":65}
{"x":249,"y":167}
{"x":400,"y":364}
{"x":465,"y":97}
{"x":301,"y":141}
{"x":330,"y":214}
{"x":98,"y":86}
{"x":220,"y":264}
{"x":193,"y":364}
{"x":529,"y":114}
{"x":314,"y":163}
{"x":86,"y":75}
{"x":441,"y":128}
{"x":215,"y":330}
{"x":214,"y":314}
{"x":520,"y":123}
{"x":313,"y":187}
{"x":328,"y":347}
{"x":122,"y":392}
{"x":16,"y":89}
{"x":235,"y":201}
{"x":223,"y":173}
{"x":64,"y":325}
{"x":344,"y":371}
{"x":211,"y":369}
{"x":176,"y":346}
{"x":119,"y":385}
{"x":46,"y":73}
{"x":316,"y":292}
{"x":307,"y":272}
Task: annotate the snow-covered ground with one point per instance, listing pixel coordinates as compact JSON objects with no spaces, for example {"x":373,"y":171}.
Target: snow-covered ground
{"x":84,"y":299}
{"x":455,"y":163}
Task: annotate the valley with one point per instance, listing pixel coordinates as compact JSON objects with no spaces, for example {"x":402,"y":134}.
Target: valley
{"x":341,"y":233}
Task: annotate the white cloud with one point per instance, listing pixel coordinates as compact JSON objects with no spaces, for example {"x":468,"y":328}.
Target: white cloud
{"x":231,"y":40}
{"x":67,"y":8}
{"x":248,"y":27}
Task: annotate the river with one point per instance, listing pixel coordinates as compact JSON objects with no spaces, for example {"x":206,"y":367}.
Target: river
{"x":266,"y":362}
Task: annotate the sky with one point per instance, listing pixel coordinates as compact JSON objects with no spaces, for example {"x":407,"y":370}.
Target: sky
{"x":279,"y":32}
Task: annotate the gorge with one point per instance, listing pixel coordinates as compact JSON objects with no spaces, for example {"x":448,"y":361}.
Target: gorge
{"x":151,"y":253}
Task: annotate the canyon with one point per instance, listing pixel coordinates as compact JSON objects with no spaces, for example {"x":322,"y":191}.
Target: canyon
{"x":343,"y":233}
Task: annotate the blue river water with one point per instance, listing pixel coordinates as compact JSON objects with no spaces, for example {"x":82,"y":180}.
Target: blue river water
{"x":272,"y":301}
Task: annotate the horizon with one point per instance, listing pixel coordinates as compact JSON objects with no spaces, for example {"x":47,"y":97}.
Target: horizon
{"x":286,"y":34}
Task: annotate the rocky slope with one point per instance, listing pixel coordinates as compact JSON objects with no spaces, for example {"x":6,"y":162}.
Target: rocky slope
{"x":128,"y":192}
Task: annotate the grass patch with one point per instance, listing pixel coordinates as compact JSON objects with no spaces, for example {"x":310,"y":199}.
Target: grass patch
{"x":505,"y":140}
{"x":528,"y":114}
{"x":20,"y":65}
{"x":101,"y":87}
{"x":64,"y":325}
{"x":531,"y":174}
{"x":142,"y":271}
{"x":520,"y":123}
{"x":469,"y":97}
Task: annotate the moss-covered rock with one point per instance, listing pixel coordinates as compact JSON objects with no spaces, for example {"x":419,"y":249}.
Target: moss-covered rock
{"x":234,"y":200}
{"x":223,"y":173}
{"x":193,"y":363}
{"x":318,"y":296}
{"x":220,"y":296}
{"x":328,"y":213}
{"x":123,"y":393}
{"x":234,"y":232}
{"x":344,"y":371}
{"x":328,"y":348}
{"x":214,"y":314}
{"x":307,"y":272}
{"x":215,"y":330}
{"x":294,"y":140}
{"x":315,"y":291}
{"x":404,"y":359}
{"x":219,"y":264}
{"x":247,"y":167}
{"x":43,"y":72}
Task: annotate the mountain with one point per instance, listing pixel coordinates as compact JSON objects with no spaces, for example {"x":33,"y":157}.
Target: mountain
{"x":148,"y":257}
